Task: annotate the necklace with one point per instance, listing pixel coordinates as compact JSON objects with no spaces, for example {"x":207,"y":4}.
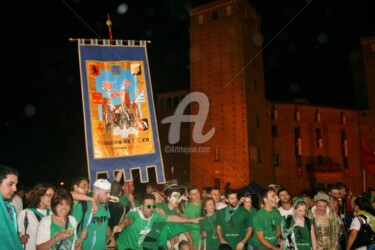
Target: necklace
{"x":211,"y":220}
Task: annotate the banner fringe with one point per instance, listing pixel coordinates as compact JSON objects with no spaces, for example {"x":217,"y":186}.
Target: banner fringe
{"x":106,"y":42}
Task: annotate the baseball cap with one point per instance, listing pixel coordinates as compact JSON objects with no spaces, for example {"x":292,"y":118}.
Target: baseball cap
{"x":102,"y":184}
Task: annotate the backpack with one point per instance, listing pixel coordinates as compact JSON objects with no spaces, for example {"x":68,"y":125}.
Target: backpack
{"x":288,"y":221}
{"x":365,"y":236}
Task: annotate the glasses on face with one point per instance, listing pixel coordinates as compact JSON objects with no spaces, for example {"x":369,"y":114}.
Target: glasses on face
{"x":48,"y":195}
{"x":150,"y":206}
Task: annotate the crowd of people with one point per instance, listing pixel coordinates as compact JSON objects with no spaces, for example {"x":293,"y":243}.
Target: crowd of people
{"x":111,"y":216}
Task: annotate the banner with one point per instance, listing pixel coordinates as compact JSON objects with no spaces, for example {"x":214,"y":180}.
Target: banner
{"x":119,"y":114}
{"x":368,"y":157}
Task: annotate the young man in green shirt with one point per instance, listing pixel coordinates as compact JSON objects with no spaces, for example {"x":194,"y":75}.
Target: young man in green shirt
{"x":193,"y":210}
{"x":233,"y":223}
{"x":96,"y":224}
{"x":267,"y":222}
{"x":137,"y":224}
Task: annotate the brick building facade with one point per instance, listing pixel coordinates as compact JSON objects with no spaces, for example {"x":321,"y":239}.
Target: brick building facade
{"x":296,"y":145}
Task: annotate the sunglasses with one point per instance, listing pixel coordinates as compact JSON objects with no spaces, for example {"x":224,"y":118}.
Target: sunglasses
{"x":150,"y":206}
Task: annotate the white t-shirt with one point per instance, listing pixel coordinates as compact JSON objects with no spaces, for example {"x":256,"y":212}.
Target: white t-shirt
{"x":284,"y":213}
{"x":44,"y":233}
{"x":32,"y":226}
{"x":17,"y":203}
{"x":356,"y":225}
{"x":220,"y":205}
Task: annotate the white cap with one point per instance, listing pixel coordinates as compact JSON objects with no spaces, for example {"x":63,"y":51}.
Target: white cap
{"x":102,"y":184}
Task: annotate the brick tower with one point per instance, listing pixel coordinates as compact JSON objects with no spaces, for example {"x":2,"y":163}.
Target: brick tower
{"x":227,"y":65}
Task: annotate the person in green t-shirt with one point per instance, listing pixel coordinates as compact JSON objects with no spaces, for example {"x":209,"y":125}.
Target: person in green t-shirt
{"x":247,"y":203}
{"x":96,"y":224}
{"x":233,"y":222}
{"x":193,"y":210}
{"x":138,"y":223}
{"x":79,"y":188}
{"x":127,"y":198}
{"x":161,"y":231}
{"x":299,"y":229}
{"x":267,"y":222}
{"x":208,"y":225}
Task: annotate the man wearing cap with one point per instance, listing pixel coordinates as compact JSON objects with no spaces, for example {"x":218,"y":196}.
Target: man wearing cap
{"x":96,"y":224}
{"x":327,"y":223}
{"x":137,"y":224}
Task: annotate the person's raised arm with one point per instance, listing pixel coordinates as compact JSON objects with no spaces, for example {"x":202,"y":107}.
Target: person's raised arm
{"x":82,"y":197}
{"x":179,"y":219}
{"x":124,"y":223}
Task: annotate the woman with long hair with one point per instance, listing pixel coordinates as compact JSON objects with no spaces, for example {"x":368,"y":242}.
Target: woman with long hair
{"x":39,"y":207}
{"x":299,"y":229}
{"x":208,"y":224}
{"x":364,"y":214}
{"x":58,"y":230}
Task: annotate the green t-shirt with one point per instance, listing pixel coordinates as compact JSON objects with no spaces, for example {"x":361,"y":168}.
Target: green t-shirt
{"x":301,"y":236}
{"x":67,"y":243}
{"x":151,"y":241}
{"x":252,"y":213}
{"x":266,"y":222}
{"x":132,"y":236}
{"x":124,"y":200}
{"x":234,"y":224}
{"x":97,"y":229}
{"x":208,"y":225}
{"x":193,"y":211}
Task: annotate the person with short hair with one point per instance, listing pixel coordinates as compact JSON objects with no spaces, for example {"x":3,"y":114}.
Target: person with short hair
{"x":267,"y":222}
{"x":286,"y":208}
{"x":151,"y":187}
{"x":364,"y":214}
{"x":135,"y":227}
{"x":9,"y":239}
{"x":127,"y":198}
{"x":215,"y":194}
{"x":192,"y":211}
{"x":234,"y":225}
{"x":79,"y":189}
{"x":184,"y":245}
{"x":96,"y":225}
{"x":206,"y":192}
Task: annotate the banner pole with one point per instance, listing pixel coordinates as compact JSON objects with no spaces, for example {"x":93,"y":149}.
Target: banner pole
{"x":109,"y":24}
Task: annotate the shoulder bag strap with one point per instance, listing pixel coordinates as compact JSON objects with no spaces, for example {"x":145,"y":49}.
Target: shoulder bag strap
{"x":66,"y":227}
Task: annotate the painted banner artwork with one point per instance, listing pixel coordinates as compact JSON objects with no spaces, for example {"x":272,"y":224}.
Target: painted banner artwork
{"x":120,"y":123}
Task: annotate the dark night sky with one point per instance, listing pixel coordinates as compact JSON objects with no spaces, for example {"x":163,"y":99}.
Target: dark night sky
{"x":41,"y":122}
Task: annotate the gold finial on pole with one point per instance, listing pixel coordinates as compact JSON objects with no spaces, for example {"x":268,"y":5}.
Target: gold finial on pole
{"x":109,"y":24}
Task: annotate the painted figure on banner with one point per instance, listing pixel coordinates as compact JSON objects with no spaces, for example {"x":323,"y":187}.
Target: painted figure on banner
{"x":119,"y":109}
